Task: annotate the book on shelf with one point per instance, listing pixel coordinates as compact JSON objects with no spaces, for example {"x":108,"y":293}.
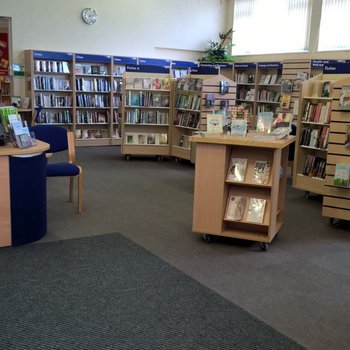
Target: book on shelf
{"x":256,"y":210}
{"x":314,"y":166}
{"x":267,"y":79}
{"x":163,"y":139}
{"x":224,"y":87}
{"x":273,"y":79}
{"x":151,"y":139}
{"x":210,"y":99}
{"x":142,"y":139}
{"x":146,"y":83}
{"x":344,"y":100}
{"x":261,"y":172}
{"x":235,"y":207}
{"x":342,"y":175}
{"x":215,"y":123}
{"x":286,"y":86}
{"x":327,"y":87}
{"x":238,"y":127}
{"x":347,"y":136}
{"x":237,"y":169}
{"x":285,"y":101}
{"x":264,"y":121}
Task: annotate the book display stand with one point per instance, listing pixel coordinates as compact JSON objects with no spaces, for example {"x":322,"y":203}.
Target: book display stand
{"x":336,"y":198}
{"x":249,"y":204}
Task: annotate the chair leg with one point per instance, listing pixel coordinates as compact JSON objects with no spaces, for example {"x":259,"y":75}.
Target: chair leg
{"x":71,"y":188}
{"x":80,"y":190}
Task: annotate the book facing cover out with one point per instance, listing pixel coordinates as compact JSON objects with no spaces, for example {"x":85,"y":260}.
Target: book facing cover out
{"x":261,"y":173}
{"x":342,"y":175}
{"x":237,"y":169}
{"x":256,"y":210}
{"x":235,"y":207}
{"x":344,"y":100}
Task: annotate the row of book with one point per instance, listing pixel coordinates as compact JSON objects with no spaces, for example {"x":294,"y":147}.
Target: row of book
{"x":44,"y":82}
{"x":52,"y":100}
{"x":138,"y":116}
{"x":61,"y":117}
{"x":132,"y":138}
{"x":51,"y":66}
{"x":317,"y":113}
{"x":246,"y":94}
{"x":147,"y":99}
{"x":315,"y":137}
{"x":244,"y":78}
{"x":268,"y":95}
{"x":118,"y":85}
{"x":88,"y":117}
{"x":192,"y":102}
{"x":238,"y":168}
{"x":148,"y":83}
{"x":249,"y":209}
{"x":95,"y":85}
{"x":91,"y":69}
{"x":95,"y":101}
{"x":188,"y":120}
{"x":88,"y":134}
{"x":315,"y":166}
{"x":270,"y":79}
{"x":189,"y":84}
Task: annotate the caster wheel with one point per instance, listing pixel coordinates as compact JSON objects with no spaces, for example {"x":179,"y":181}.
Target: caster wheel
{"x":177,"y":160}
{"x":334,"y":222}
{"x":307,"y":195}
{"x":206,"y":238}
{"x":264,"y":246}
{"x":127,"y":157}
{"x":160,"y":158}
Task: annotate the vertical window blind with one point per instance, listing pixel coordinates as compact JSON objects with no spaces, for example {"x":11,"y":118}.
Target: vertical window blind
{"x":270,"y":26}
{"x":334,"y":27}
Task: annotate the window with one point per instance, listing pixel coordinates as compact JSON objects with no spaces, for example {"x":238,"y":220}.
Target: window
{"x":334,"y":27}
{"x":270,"y":26}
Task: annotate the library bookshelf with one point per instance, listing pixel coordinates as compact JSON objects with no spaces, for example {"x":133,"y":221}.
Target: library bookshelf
{"x":312,"y":136}
{"x":212,"y":189}
{"x":336,"y":199}
{"x":146,"y":113}
{"x":196,"y":96}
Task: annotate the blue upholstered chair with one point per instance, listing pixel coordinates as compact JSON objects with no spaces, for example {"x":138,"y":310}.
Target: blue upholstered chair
{"x":61,"y":140}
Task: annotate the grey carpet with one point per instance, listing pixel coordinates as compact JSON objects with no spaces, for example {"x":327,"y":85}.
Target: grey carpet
{"x":106,"y":292}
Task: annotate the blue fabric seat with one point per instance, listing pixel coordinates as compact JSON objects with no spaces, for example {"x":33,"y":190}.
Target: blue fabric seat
{"x":60,"y":139}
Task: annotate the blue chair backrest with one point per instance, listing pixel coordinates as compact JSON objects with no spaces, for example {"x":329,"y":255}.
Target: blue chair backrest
{"x":55,"y":135}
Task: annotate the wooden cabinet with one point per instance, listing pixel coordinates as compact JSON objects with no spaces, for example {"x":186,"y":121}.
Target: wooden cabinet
{"x":212,"y":189}
{"x":146,"y":114}
{"x":312,"y":137}
{"x":195,"y":97}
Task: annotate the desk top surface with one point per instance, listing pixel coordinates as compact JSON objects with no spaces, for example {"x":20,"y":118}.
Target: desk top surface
{"x":248,"y":141}
{"x":10,"y":150}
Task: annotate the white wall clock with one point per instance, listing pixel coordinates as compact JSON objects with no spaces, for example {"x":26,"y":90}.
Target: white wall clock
{"x":89,"y":15}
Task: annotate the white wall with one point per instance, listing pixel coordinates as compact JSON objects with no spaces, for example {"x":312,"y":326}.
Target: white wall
{"x":175,"y":29}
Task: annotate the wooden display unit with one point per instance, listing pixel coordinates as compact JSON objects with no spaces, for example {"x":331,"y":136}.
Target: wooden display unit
{"x":268,"y":96}
{"x":336,"y":199}
{"x":212,"y":189}
{"x":312,"y":137}
{"x":146,"y":113}
{"x":50,"y":85}
{"x":93,"y":96}
{"x":191,"y":106}
{"x":5,"y":91}
{"x":245,"y":78}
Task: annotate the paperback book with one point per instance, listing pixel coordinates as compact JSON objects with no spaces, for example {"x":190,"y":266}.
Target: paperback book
{"x":344,"y":100}
{"x":235,"y":207}
{"x":237,"y":169}
{"x":342,"y":175}
{"x":256,"y":210}
{"x":261,"y":173}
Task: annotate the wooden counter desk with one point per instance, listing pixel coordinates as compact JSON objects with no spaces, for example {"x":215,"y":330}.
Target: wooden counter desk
{"x":23,"y":194}
{"x":212,"y":189}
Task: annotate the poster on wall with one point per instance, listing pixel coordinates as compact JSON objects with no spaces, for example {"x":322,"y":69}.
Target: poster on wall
{"x":4,"y":54}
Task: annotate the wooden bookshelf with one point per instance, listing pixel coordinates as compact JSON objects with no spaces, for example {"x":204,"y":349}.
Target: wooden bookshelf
{"x":336,"y":199}
{"x":191,"y":108}
{"x":147,"y":101}
{"x":5,"y":91}
{"x":212,"y":189}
